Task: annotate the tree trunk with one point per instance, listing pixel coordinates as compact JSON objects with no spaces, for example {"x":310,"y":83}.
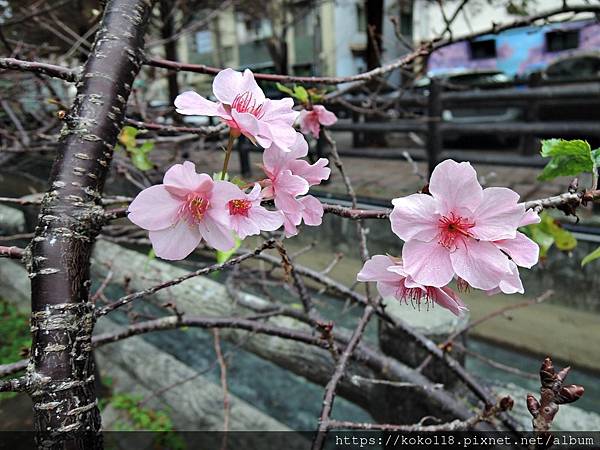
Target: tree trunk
{"x":61,"y":369}
{"x":167,"y":30}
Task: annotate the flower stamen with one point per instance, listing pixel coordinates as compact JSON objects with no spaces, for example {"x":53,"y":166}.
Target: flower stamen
{"x":453,"y":227}
{"x":239,"y":207}
{"x":246,"y":103}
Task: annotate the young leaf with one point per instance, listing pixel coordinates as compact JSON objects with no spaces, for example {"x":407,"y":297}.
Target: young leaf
{"x":301,"y":94}
{"x":140,"y":159}
{"x":284,"y":89}
{"x":127,"y":136}
{"x":568,"y":158}
{"x":146,"y":147}
{"x":591,"y":257}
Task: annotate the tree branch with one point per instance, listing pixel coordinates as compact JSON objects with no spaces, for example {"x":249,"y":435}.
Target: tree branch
{"x":42,"y":68}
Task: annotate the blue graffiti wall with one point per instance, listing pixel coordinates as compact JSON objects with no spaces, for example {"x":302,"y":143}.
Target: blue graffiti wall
{"x":520,"y":51}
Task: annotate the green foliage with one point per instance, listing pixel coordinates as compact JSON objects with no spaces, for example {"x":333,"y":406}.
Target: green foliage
{"x":590,"y":257}
{"x":548,"y":233}
{"x":568,"y":158}
{"x":139,"y":154}
{"x":146,"y":419}
{"x":302,"y":94}
{"x":14,"y":337}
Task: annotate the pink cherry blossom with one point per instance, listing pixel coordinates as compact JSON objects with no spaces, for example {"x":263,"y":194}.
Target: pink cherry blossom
{"x":308,"y":209}
{"x":277,"y":160}
{"x":185,"y":209}
{"x":243,"y":106}
{"x":311,"y":120}
{"x":393,"y":281}
{"x":289,"y":177}
{"x":454,"y":230}
{"x":522,"y":251}
{"x":248,"y":217}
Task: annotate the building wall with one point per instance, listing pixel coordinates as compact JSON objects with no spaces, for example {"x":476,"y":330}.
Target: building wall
{"x":428,"y":22}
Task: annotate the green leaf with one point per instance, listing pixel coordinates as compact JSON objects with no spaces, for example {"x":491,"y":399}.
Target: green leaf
{"x":568,"y":158}
{"x":548,"y":233}
{"x":590,"y":257}
{"x":541,"y":238}
{"x":301,"y":94}
{"x":239,"y":182}
{"x":127,"y":136}
{"x":224,"y":256}
{"x":217,"y":176}
{"x":146,"y":147}
{"x":284,"y":89}
{"x":140,"y":160}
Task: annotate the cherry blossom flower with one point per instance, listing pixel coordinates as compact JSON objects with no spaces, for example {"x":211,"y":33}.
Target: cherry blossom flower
{"x":185,"y":209}
{"x":456,"y":229}
{"x":242,"y":105}
{"x":248,"y":217}
{"x":308,"y":209}
{"x":311,"y":120}
{"x":277,"y":160}
{"x":393,"y":281}
{"x":289,"y":177}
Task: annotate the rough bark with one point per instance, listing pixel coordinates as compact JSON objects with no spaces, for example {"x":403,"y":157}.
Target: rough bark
{"x":61,"y":372}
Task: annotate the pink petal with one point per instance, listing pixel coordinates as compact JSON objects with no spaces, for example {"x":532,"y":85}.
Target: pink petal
{"x":447,"y":298}
{"x":255,"y":194}
{"x":282,"y":135}
{"x":275,"y":159}
{"x":244,"y":226}
{"x":309,"y":123}
{"x":325,"y":117}
{"x":280,"y":111}
{"x":522,"y":250}
{"x":415,"y":217}
{"x":395,"y":289}
{"x":498,"y":215}
{"x":222,"y":193}
{"x":154,"y":208}
{"x":300,"y":147}
{"x":376,"y":269}
{"x":287,"y":185}
{"x":479,"y":263}
{"x":530,"y":217}
{"x":512,"y":283}
{"x":176,"y":242}
{"x":247,"y":123}
{"x":229,"y":83}
{"x":191,"y":103}
{"x":456,"y":187}
{"x":216,"y":234}
{"x":264,"y":219}
{"x":182,"y":179}
{"x":290,"y":222}
{"x":314,"y":173}
{"x":312,"y":214}
{"x":428,"y":263}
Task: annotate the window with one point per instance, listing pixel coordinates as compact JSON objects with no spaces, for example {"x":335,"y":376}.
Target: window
{"x":559,"y":40}
{"x":204,"y":42}
{"x":361,"y":18}
{"x":483,"y":49}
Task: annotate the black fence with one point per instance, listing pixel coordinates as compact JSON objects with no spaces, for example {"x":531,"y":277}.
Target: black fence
{"x":567,"y":110}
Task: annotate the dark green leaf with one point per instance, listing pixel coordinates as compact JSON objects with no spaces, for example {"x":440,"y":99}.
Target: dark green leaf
{"x":568,"y":158}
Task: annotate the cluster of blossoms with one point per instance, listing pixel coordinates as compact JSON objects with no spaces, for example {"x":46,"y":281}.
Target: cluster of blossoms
{"x":189,"y":207}
{"x":461,"y":231}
